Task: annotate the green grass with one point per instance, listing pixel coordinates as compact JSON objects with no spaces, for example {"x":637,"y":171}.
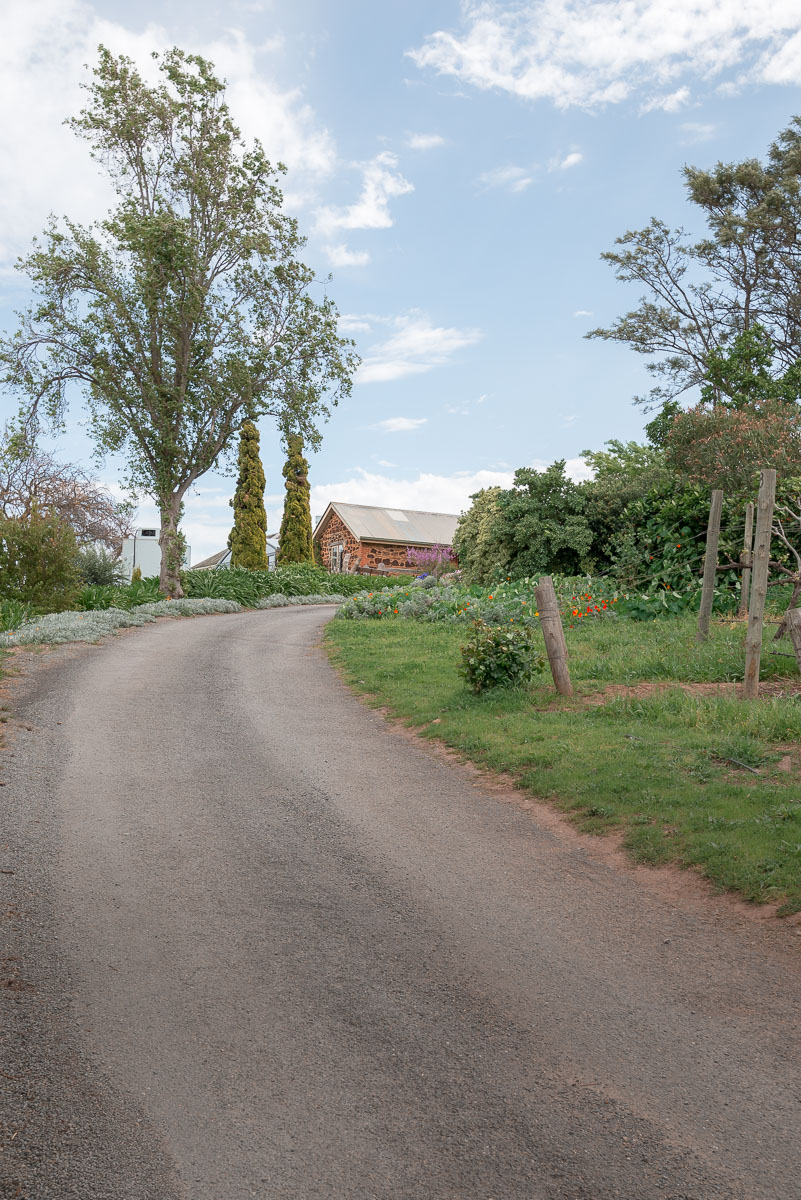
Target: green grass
{"x":656,"y":766}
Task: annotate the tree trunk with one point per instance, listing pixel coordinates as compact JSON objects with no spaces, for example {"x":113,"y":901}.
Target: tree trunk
{"x":172,"y":546}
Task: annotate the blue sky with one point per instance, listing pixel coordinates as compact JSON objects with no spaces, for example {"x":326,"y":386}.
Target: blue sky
{"x":458,"y":168}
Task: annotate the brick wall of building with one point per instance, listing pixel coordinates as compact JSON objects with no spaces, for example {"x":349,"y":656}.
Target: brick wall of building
{"x":375,"y":553}
{"x":336,"y":533}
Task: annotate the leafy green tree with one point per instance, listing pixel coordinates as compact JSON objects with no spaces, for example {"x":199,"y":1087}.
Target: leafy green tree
{"x":295,"y":538}
{"x":543,"y":523}
{"x":631,"y":459}
{"x":479,"y":541}
{"x":248,"y":538}
{"x":187,"y":309}
{"x":623,"y":471}
{"x":747,"y":419}
{"x":39,"y":561}
{"x":746,"y":272}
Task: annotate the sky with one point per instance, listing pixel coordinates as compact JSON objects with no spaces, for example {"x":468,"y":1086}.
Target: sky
{"x":458,"y":168}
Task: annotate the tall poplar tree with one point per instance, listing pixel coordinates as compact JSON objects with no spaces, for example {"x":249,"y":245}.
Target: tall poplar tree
{"x":295,"y":539}
{"x":248,"y":539}
{"x":187,"y":309}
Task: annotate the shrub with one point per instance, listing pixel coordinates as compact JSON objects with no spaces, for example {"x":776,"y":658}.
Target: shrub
{"x":430,"y":560}
{"x":248,"y":539}
{"x":97,"y":598}
{"x":98,"y":568}
{"x":13,"y":614}
{"x":498,"y":656}
{"x":295,"y":536}
{"x":38,"y":561}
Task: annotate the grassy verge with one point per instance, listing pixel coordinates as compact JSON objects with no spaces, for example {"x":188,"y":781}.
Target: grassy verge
{"x":651,"y":760}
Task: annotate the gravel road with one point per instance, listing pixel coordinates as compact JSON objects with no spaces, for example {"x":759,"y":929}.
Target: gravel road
{"x":257,"y":943}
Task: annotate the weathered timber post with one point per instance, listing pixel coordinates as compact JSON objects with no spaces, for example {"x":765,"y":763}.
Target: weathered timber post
{"x":759,"y":583}
{"x":710,"y":566}
{"x":793,"y":622}
{"x":745,"y":559}
{"x":554,"y":634}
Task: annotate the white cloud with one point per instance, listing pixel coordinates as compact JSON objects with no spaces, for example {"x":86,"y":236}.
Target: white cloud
{"x":589,"y":53}
{"x":43,"y":50}
{"x":416,"y":346}
{"x":570,"y":160}
{"x":341,"y":256}
{"x":351,"y":323}
{"x":582,"y":312}
{"x":424,"y":141}
{"x":513,"y":179}
{"x":428,"y":492}
{"x":399,"y":424}
{"x":670,"y":103}
{"x":697,"y":131}
{"x":381,"y":181}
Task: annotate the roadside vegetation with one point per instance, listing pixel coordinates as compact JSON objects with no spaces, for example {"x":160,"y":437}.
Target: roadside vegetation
{"x":654,"y":744}
{"x":103,"y":608}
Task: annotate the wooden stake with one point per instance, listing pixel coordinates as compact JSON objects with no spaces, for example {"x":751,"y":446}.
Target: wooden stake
{"x":793,"y":621}
{"x":746,"y":559}
{"x":554,"y":635}
{"x":759,"y":583}
{"x":710,"y":566}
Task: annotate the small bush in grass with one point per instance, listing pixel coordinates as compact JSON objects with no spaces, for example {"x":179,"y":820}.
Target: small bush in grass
{"x":497,"y":656}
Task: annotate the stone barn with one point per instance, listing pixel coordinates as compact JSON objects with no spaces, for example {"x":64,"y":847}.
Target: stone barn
{"x":362,"y":538}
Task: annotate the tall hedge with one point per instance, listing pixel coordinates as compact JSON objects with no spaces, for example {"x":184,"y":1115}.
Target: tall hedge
{"x":248,"y":539}
{"x":295,"y":539}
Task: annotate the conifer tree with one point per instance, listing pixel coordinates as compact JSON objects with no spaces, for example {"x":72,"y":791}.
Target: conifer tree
{"x":248,"y":538}
{"x":295,"y":538}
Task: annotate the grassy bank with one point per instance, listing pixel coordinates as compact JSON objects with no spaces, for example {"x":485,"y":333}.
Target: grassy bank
{"x":667,"y":766}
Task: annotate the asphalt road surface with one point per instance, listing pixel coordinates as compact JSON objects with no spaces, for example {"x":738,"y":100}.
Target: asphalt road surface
{"x":257,"y":943}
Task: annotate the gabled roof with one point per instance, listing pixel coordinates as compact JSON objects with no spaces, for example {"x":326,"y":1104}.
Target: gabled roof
{"x":223,"y":557}
{"x":409,"y":526}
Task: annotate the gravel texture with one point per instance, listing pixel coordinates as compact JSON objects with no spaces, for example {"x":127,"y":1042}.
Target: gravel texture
{"x":258,"y":944}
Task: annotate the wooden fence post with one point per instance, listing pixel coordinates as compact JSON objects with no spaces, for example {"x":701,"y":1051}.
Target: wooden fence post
{"x":710,"y":566}
{"x":745,"y":559}
{"x":793,"y":620}
{"x":759,"y":583}
{"x":554,"y":634}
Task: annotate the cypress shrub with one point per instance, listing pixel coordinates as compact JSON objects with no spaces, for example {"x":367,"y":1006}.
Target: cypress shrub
{"x":295,"y":538}
{"x":248,"y":538}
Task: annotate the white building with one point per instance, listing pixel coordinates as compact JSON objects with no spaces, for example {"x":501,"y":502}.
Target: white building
{"x":143,"y":550}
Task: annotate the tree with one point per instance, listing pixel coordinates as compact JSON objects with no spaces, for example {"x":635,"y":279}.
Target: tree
{"x":701,"y":295}
{"x":747,"y":419}
{"x":543,"y":523}
{"x":479,"y":542}
{"x":295,"y":538}
{"x":33,"y":479}
{"x":187,"y":308}
{"x":248,"y":539}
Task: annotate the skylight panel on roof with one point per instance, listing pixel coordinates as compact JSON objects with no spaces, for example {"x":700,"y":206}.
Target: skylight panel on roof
{"x":395,"y":515}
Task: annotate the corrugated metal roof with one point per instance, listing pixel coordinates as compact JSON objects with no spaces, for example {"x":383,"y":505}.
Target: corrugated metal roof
{"x":405,"y":525}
